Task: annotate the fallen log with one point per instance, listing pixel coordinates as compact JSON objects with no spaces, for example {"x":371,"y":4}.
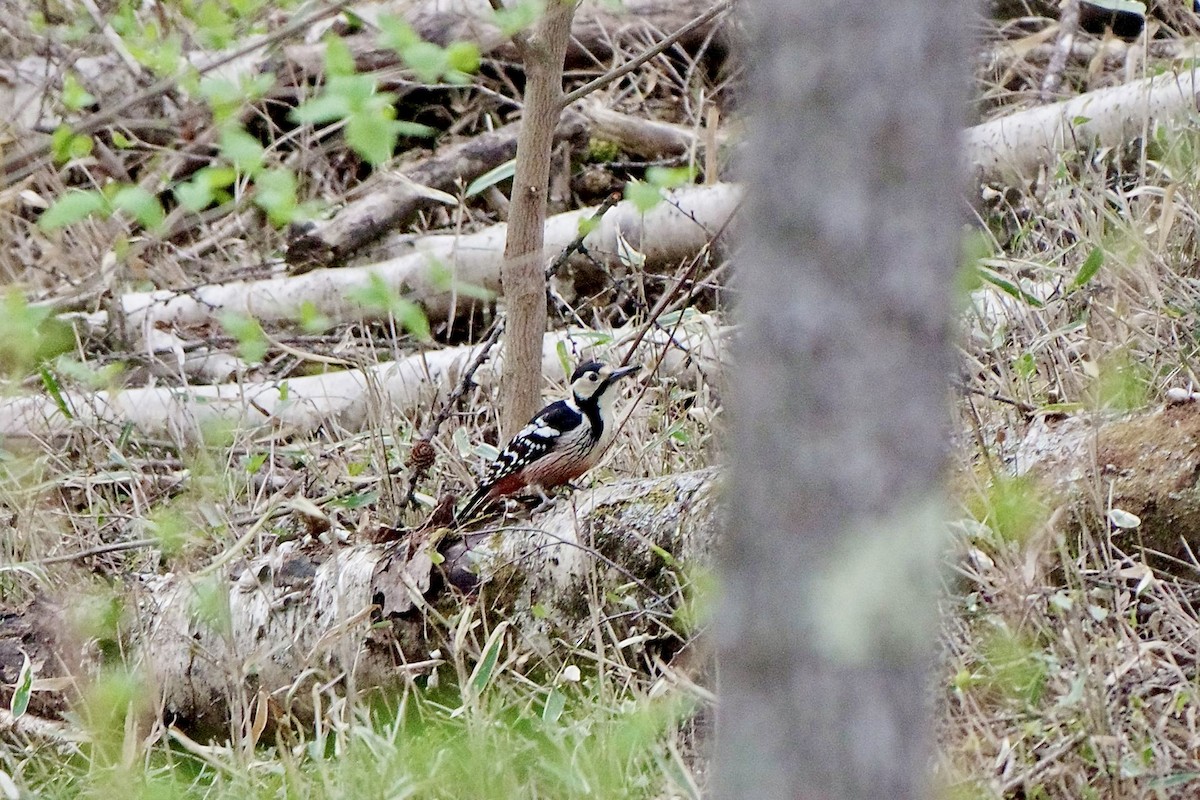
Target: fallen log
{"x":1018,"y":144}
{"x":341,"y":400}
{"x":302,"y":620}
{"x":676,"y":229}
{"x":647,"y":138}
{"x":1133,"y":475}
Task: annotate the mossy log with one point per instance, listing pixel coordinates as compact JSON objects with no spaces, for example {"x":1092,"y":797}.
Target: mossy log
{"x":1144,"y":464}
{"x":226,"y":651}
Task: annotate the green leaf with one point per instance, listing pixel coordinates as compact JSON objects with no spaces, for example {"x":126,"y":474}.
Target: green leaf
{"x":215,"y":26}
{"x":55,"y":391}
{"x":376,"y":295}
{"x":587,"y":225}
{"x":193,"y":195}
{"x":427,"y":60}
{"x":72,"y":207}
{"x":311,"y":319}
{"x":205,"y":187}
{"x":492,"y":177}
{"x":30,"y":335}
{"x":275,"y":193}
{"x":372,"y":136}
{"x":413,"y":129}
{"x":564,"y":358}
{"x":481,"y":676}
{"x":338,"y":58}
{"x":670,"y":177}
{"x":413,"y":318}
{"x":226,"y":97}
{"x":556,"y":701}
{"x":101,"y":378}
{"x":644,"y":196}
{"x":1008,"y":287}
{"x":241,"y":149}
{"x":81,"y":146}
{"x":442,"y":278}
{"x":66,"y":145}
{"x":1091,"y":265}
{"x":1026,"y":365}
{"x":517,"y":17}
{"x":143,"y":205}
{"x":255,"y":463}
{"x":323,"y":108}
{"x":252,"y":342}
{"x":463,"y":57}
{"x":171,"y":529}
{"x":23,"y":690}
{"x":396,"y":34}
{"x":356,"y":500}
{"x":74,"y":96}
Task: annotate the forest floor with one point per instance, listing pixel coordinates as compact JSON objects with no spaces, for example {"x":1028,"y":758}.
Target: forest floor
{"x":1069,"y":655}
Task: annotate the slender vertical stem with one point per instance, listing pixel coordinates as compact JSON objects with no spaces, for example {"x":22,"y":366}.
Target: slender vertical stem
{"x":523,"y":275}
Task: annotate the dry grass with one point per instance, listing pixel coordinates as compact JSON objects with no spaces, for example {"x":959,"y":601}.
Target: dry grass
{"x":1070,"y":667}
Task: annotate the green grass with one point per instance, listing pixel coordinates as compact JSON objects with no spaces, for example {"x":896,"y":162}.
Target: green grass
{"x":570,"y":739}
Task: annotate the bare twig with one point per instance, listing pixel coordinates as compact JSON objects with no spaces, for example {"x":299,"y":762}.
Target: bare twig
{"x":111,"y":547}
{"x":1068,"y":26}
{"x":686,"y":277}
{"x":576,"y":245}
{"x":630,"y":66}
{"x":419,"y":466}
{"x":25,"y":162}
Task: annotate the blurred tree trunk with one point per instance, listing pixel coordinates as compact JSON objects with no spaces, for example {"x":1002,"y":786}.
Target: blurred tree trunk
{"x":523,"y":275}
{"x":827,"y":620}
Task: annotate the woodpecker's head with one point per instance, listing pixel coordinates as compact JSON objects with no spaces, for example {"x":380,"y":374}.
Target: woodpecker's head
{"x":592,"y":380}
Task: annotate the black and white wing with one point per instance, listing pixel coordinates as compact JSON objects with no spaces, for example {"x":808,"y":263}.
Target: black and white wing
{"x":533,"y":442}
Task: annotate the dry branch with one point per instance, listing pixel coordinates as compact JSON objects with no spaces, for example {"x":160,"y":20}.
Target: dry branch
{"x":371,"y":614}
{"x":398,"y":197}
{"x":597,"y":28}
{"x":643,"y":137}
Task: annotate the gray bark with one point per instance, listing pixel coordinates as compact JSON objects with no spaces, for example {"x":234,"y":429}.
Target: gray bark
{"x":826,"y":622}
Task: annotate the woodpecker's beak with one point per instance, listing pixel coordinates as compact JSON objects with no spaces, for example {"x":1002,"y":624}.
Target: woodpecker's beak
{"x":617,"y":374}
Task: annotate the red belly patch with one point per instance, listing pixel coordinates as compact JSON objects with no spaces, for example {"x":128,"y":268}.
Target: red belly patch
{"x":550,"y":471}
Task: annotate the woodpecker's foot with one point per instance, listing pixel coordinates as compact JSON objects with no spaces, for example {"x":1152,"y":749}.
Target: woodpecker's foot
{"x":546,"y":501}
{"x":537,"y":502}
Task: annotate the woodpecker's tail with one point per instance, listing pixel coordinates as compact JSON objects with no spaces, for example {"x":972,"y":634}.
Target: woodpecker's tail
{"x":477,"y":499}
